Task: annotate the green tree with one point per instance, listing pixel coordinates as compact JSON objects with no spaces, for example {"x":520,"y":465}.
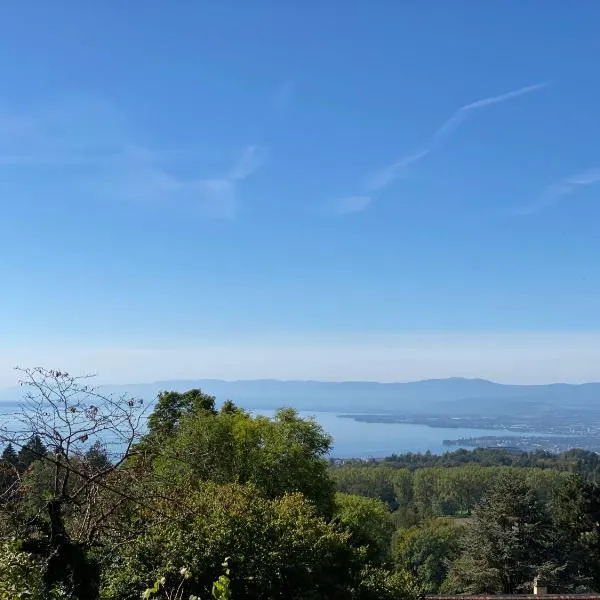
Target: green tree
{"x":66,"y":505}
{"x":507,"y":544}
{"x":20,"y":573}
{"x":32,"y":451}
{"x":171,"y":407}
{"x":377,"y":583}
{"x":9,"y":475}
{"x":9,"y":456}
{"x":369,"y":523}
{"x":280,"y":455}
{"x":372,"y":482}
{"x":278,"y":548}
{"x":575,"y":511}
{"x":96,"y":458}
{"x":427,"y":551}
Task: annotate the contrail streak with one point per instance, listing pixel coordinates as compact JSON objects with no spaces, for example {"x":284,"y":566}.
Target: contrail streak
{"x":396,"y":169}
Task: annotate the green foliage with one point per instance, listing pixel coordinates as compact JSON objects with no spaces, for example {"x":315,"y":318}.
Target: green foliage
{"x":9,"y":475}
{"x":9,"y":456}
{"x":280,"y":455}
{"x":277,"y":547}
{"x":204,"y":484}
{"x":171,"y":407}
{"x":575,"y":512}
{"x":221,"y":589}
{"x":379,"y":584}
{"x":34,"y":450}
{"x":21,"y":575}
{"x":508,"y":542}
{"x":427,"y":551}
{"x":582,"y":462}
{"x":566,"y":547}
{"x":376,"y":482}
{"x":174,"y":594}
{"x":369,"y":523}
{"x":61,"y":508}
{"x":436,"y":491}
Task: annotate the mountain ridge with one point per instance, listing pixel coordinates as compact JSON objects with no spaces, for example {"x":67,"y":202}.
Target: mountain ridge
{"x":429,"y":395}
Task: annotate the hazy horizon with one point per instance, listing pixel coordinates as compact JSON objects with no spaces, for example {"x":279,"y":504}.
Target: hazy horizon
{"x":182,"y":203}
{"x":519,"y":358}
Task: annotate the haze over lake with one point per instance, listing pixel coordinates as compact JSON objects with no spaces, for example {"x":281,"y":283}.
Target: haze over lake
{"x":475,"y":406}
{"x":357,"y":439}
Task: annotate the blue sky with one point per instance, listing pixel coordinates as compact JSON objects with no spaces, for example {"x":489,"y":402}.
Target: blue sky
{"x":286,"y":179}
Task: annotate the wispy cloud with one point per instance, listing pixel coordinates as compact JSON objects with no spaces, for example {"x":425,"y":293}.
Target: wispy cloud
{"x":398,"y":168}
{"x":388,"y":174}
{"x":385,"y":176}
{"x":140,"y":176}
{"x":558,"y":191}
{"x":92,"y":145}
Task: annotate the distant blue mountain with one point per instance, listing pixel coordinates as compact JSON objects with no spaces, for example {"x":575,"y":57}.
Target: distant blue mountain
{"x":454,"y":395}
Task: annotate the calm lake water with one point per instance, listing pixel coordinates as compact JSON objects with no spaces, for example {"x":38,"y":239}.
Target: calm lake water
{"x":374,"y":440}
{"x":360,"y":439}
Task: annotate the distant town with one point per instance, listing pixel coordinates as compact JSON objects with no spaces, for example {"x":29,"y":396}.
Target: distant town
{"x":551,"y":430}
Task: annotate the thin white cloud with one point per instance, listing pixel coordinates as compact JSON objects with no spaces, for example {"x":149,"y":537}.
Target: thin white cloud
{"x":385,"y":176}
{"x":388,"y":174}
{"x":140,"y":176}
{"x":88,"y":138}
{"x":556,"y":192}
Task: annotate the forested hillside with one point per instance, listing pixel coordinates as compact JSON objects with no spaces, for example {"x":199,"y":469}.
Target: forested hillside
{"x":518,"y":513}
{"x":205,"y":500}
{"x":582,"y":462}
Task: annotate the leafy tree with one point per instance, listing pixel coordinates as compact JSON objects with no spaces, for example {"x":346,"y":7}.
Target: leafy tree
{"x":67,"y":499}
{"x":369,"y":523}
{"x":280,"y":455}
{"x":228,"y":407}
{"x":9,"y":456}
{"x":277,"y":548}
{"x":427,"y":551}
{"x":32,"y":451}
{"x":21,"y":575}
{"x":370,"y":482}
{"x":582,"y":462}
{"x":172,"y":407}
{"x":96,"y":457}
{"x":436,"y":491}
{"x":379,"y":584}
{"x":9,"y":475}
{"x":159,"y":516}
{"x":575,"y":511}
{"x":507,"y":543}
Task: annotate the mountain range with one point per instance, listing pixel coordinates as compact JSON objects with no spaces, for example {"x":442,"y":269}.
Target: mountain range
{"x":439,"y":396}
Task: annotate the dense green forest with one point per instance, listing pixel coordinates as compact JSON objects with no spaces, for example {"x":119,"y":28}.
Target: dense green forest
{"x":103,"y":500}
{"x":578,"y":461}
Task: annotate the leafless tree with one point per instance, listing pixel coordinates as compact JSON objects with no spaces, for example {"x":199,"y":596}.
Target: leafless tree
{"x":86,"y":438}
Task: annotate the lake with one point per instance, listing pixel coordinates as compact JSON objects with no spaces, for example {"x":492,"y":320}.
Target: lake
{"x":375,"y":440}
{"x":359,"y":439}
